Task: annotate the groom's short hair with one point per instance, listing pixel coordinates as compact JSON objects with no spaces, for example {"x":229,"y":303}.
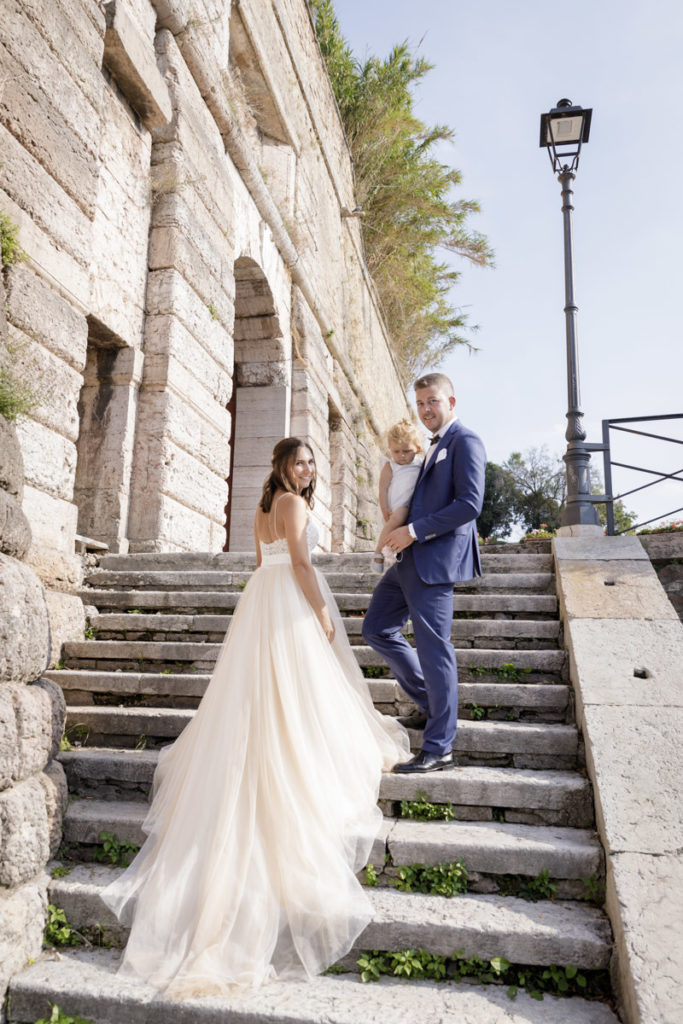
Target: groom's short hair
{"x":439,"y":380}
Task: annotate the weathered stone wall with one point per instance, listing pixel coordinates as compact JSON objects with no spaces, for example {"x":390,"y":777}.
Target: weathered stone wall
{"x":665,"y":551}
{"x":180,"y":178}
{"x":33,"y":790}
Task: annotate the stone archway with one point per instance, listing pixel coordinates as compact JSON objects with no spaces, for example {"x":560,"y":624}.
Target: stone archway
{"x":262,"y":398}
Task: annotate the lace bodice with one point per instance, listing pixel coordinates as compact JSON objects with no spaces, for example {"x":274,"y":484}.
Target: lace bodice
{"x":278,"y":550}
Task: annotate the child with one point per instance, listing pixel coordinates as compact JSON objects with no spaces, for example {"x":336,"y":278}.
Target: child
{"x":397,"y":481}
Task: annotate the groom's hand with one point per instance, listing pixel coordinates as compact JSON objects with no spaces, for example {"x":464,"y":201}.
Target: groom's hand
{"x":399,"y":539}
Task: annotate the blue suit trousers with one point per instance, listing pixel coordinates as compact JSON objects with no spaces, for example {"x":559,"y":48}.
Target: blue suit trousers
{"x":429,"y":675}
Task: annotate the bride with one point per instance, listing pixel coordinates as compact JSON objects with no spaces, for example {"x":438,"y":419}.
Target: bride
{"x":265,"y":807}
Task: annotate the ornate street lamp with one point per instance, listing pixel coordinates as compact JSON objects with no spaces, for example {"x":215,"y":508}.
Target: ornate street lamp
{"x":563,"y":131}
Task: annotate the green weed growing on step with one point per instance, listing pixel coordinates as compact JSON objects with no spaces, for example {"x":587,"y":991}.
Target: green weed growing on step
{"x":406,"y":963}
{"x":78,"y":734}
{"x":59,"y":665}
{"x":374,"y":671}
{"x":419,"y":964}
{"x":61,"y":871}
{"x":241,"y":585}
{"x":89,"y":633}
{"x":595,"y":889}
{"x":531,"y":889}
{"x":64,"y":743}
{"x":371,"y":875}
{"x":507,"y":671}
{"x":58,"y":931}
{"x":498,"y":814}
{"x":445,"y":879}
{"x":477,"y":713}
{"x":57,"y":1016}
{"x":421,"y":809}
{"x":141,"y":743}
{"x":134,"y":611}
{"x":118,"y":852}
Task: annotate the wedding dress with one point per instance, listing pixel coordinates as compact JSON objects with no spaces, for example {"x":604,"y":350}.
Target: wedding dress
{"x":264,"y":808}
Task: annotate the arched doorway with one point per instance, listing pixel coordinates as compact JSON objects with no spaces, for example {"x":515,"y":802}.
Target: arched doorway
{"x":260,"y":406}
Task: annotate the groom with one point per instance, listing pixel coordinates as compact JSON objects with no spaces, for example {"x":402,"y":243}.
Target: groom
{"x":439,"y":547}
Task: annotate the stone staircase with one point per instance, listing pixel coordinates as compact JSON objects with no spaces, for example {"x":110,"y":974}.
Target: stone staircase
{"x":521,"y":805}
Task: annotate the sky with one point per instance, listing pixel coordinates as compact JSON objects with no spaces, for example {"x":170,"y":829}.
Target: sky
{"x":498,"y":66}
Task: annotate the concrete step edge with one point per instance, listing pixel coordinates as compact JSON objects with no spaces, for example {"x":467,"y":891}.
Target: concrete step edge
{"x":85,"y":983}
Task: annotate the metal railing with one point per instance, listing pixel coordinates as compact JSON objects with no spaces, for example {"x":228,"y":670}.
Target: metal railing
{"x":609,"y":498}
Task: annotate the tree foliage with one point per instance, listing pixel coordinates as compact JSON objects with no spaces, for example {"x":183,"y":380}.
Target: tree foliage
{"x":529,"y":489}
{"x":539,"y":486}
{"x":499,"y":511}
{"x":406,"y":196}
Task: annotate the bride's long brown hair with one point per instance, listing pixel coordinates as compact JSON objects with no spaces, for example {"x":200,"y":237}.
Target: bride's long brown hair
{"x":284,"y":455}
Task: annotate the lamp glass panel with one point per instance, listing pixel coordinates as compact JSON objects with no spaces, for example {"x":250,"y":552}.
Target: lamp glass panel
{"x":565,"y":130}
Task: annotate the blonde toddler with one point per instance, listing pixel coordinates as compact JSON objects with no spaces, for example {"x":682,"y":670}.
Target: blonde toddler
{"x":397,"y":481}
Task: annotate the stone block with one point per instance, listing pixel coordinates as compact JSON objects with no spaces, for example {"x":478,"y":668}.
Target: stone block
{"x":167,"y":342}
{"x":53,"y":524}
{"x":41,"y":313}
{"x":635,"y":759}
{"x":56,"y":792}
{"x":649,"y":934}
{"x":49,"y":459}
{"x":54,"y":212}
{"x":15,"y":532}
{"x":25,"y":831}
{"x":662,"y":546}
{"x":620,"y":589}
{"x":57,"y":383}
{"x":24,"y":629}
{"x":28,"y":114}
{"x":598,"y":548}
{"x":53,"y":263}
{"x":74,"y":38}
{"x":28,"y":44}
{"x":31,"y":726}
{"x":168,"y":292}
{"x":626,"y":662}
{"x":22,"y":918}
{"x":130,"y":58}
{"x":11,"y":460}
{"x":67,"y":620}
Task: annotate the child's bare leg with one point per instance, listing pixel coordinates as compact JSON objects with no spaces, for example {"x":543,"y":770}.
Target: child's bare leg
{"x":397,"y":518}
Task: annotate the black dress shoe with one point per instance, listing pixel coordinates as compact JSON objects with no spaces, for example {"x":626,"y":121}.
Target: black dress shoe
{"x":415,"y":721}
{"x":425,"y":762}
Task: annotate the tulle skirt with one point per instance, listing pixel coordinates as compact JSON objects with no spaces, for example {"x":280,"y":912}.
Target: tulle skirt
{"x":263,"y":809}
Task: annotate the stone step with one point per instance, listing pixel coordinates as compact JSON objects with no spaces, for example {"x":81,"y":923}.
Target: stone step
{"x":483,"y":925}
{"x":356,"y":561}
{"x":84,"y":982}
{"x":486,"y":847}
{"x":215,"y":602}
{"x":200,"y":628}
{"x":200,"y":657}
{"x":366,"y":581}
{"x":546,"y":701}
{"x":518,"y":795}
{"x":508,"y":744}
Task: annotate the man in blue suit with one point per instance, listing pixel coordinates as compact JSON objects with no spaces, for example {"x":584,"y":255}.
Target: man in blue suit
{"x":438,"y":547}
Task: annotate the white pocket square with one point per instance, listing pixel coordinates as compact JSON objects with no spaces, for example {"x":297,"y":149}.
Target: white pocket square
{"x":442,"y":455}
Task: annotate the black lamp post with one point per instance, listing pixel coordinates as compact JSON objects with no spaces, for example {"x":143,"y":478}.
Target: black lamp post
{"x":563,"y":131}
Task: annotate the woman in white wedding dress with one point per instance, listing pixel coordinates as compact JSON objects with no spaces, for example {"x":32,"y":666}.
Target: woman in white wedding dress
{"x":265,"y":807}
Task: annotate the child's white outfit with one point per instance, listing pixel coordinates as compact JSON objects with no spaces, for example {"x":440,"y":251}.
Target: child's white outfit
{"x":403,"y":480}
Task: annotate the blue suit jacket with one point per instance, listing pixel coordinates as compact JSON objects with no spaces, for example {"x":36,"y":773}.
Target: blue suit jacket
{"x":446,"y":502}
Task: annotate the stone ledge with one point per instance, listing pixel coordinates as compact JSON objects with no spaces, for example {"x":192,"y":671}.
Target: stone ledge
{"x":631,"y":726}
{"x":130,"y":59}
